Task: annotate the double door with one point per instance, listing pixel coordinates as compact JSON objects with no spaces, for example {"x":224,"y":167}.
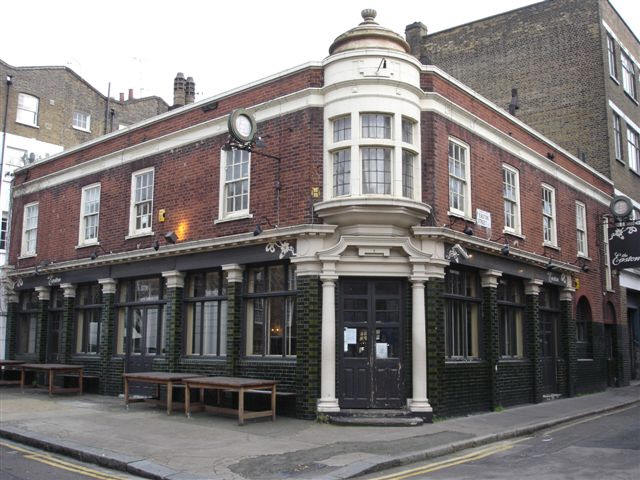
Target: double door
{"x":549,"y":333}
{"x":370,"y":343}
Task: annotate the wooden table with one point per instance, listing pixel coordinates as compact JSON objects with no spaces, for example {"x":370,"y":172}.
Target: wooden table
{"x":6,"y":365}
{"x":157,"y":378}
{"x":52,"y":369}
{"x":232,"y":384}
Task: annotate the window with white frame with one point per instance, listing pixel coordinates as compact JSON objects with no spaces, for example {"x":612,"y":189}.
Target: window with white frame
{"x":607,"y":262}
{"x":141,"y":202}
{"x":511,"y":197}
{"x":617,"y":136}
{"x":633,"y":149}
{"x":30,"y":229}
{"x":611,"y":49}
{"x":89,"y":214}
{"x":376,"y":171}
{"x":376,"y":125}
{"x":549,"y":215}
{"x":342,"y":128}
{"x":628,"y":75}
{"x":459,"y":178}
{"x":462,"y":315}
{"x":235,"y":191}
{"x":27,"y":109}
{"x":408,"y":160}
{"x":407,"y":130}
{"x":82,"y":121}
{"x":3,"y":230}
{"x":581,"y":229}
{"x":341,"y":172}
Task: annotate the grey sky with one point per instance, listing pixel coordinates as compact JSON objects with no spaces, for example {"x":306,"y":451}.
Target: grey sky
{"x":141,"y":44}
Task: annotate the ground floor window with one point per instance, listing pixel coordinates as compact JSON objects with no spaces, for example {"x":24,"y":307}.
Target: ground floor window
{"x":205,"y":326}
{"x":511,"y":312}
{"x":270,"y":327}
{"x":27,"y":322}
{"x":583,"y":328}
{"x":462,"y":306}
{"x":88,"y":312}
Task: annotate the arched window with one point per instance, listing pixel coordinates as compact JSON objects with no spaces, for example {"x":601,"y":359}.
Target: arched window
{"x":584,"y":330}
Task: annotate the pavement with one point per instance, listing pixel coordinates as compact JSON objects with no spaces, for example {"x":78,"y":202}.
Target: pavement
{"x":145,"y":441}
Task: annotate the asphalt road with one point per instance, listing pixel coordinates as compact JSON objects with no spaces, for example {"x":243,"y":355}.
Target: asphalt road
{"x":596,"y":448}
{"x":18,"y":462}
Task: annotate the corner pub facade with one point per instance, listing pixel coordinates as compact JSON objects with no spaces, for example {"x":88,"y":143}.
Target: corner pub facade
{"x":398,"y":242}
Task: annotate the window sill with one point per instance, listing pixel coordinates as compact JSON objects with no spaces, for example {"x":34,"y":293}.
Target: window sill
{"x":621,"y":160}
{"x":614,"y":79}
{"x":204,"y":358}
{"x":27,"y":124}
{"x":87,"y":245}
{"x":586,"y":257}
{"x":585,"y":359}
{"x":634,"y":172}
{"x":81,"y":129}
{"x":514,"y":234}
{"x":232,"y":218}
{"x":138,"y":235}
{"x":86,"y":356}
{"x":463,"y":361}
{"x":270,"y":358}
{"x":29,"y":255}
{"x":630,"y":97}
{"x":461,"y":215}
{"x":513,"y":360}
{"x":550,"y":245}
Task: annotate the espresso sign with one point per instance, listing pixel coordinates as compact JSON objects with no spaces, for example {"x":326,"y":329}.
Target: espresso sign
{"x":624,"y":245}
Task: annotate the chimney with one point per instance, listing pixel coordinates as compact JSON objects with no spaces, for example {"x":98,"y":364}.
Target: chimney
{"x":131,"y":94}
{"x":179,"y":90}
{"x":190,"y":91}
{"x":122,"y":96}
{"x":415,"y":34}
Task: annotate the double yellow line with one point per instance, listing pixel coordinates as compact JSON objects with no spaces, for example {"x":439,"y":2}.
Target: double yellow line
{"x":61,"y":464}
{"x":432,"y":467}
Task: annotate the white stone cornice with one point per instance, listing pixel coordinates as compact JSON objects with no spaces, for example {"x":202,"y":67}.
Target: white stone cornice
{"x":68,"y":290}
{"x":532,"y":287}
{"x":234,"y":272}
{"x":44,"y":293}
{"x":489,"y":278}
{"x":108,"y":286}
{"x":175,"y":279}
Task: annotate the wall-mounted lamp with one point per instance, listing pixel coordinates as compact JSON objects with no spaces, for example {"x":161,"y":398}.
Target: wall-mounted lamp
{"x":41,"y":265}
{"x":95,"y":254}
{"x":506,"y":248}
{"x":171,"y":237}
{"x":9,"y":79}
{"x":550,"y":266}
{"x":467,"y":230}
{"x":156,"y":245}
{"x":258,"y":230}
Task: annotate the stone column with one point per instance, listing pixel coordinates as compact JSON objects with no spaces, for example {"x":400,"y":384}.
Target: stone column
{"x":12,"y":324}
{"x":489,"y":282}
{"x":173,"y":318}
{"x":419,"y":402}
{"x":328,"y":401}
{"x":67,"y":348}
{"x":234,"y":316}
{"x":568,"y":328}
{"x":110,"y":381}
{"x":42,"y":329}
{"x":308,"y":343}
{"x":532,"y":317}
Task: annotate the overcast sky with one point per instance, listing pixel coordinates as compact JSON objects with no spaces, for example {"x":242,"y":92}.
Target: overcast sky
{"x":141,"y":44}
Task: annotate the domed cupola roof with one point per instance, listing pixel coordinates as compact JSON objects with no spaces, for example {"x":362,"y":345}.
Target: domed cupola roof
{"x":369,"y":35}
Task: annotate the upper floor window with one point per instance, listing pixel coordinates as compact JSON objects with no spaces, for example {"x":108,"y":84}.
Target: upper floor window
{"x":342,"y":128}
{"x":617,"y":136}
{"x":27,"y":109}
{"x":235,"y":190}
{"x":408,"y":161}
{"x":511,"y":197}
{"x":633,"y":149}
{"x":3,"y":230}
{"x":89,"y":214}
{"x":82,"y":121}
{"x":581,"y":229}
{"x":459,"y":178}
{"x":376,"y":171}
{"x":462,"y":311}
{"x":341,"y":172}
{"x":30,"y":229}
{"x":611,"y":49}
{"x":376,"y":125}
{"x":628,"y":75}
{"x":549,"y":215}
{"x":407,"y":130}
{"x":141,"y":202}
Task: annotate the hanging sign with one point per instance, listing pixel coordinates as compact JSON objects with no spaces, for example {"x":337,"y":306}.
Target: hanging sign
{"x":624,"y":245}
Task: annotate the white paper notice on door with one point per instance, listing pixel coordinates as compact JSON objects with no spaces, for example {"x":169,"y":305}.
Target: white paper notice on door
{"x":382,"y":350}
{"x":349,"y":337}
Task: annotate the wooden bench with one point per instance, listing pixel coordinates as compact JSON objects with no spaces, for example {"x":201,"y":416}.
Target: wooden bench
{"x":87,"y":379}
{"x":170,"y":380}
{"x":51,"y":369}
{"x":10,"y":365}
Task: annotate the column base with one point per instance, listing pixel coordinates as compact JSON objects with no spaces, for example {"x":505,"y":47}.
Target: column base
{"x":419,"y":405}
{"x":328,"y":405}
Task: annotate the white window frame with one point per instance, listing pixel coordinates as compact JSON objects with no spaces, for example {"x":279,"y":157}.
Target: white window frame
{"x":553,"y":242}
{"x":390,"y":116}
{"x":617,"y":136}
{"x":20,"y":109}
{"x":82,"y":230}
{"x":581,"y":218}
{"x":4,"y":229}
{"x":607,"y":261}
{"x":611,"y":53}
{"x":628,"y":75}
{"x":133,"y":232}
{"x":466,"y":213}
{"x":223,"y":215}
{"x":25,"y":252}
{"x":85,"y":116}
{"x":342,"y":120}
{"x":518,"y":227}
{"x":633,"y":149}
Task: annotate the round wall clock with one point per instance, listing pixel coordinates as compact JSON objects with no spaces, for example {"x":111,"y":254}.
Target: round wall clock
{"x":242,"y":125}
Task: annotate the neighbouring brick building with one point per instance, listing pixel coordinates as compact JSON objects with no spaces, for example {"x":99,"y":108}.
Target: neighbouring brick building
{"x":574,"y":64}
{"x":400,"y":242}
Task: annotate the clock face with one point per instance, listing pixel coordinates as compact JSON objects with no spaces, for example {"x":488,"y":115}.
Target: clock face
{"x":243,"y":125}
{"x":620,"y":207}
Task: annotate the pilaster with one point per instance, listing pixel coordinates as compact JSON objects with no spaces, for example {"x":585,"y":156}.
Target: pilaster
{"x":328,"y":402}
{"x":68,"y":316}
{"x":234,"y":316}
{"x":491,"y":322}
{"x":435,"y":342}
{"x":308,"y":345}
{"x":173,"y":317}
{"x":109,"y":385}
{"x":568,"y":322}
{"x":12,"y":325}
{"x":42,"y":323}
{"x":532,"y":317}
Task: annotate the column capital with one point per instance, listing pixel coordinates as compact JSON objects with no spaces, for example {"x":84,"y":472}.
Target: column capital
{"x":532,"y":287}
{"x":566,"y":295}
{"x":175,"y":279}
{"x":44,"y":293}
{"x":328,"y":279}
{"x":68,"y":290}
{"x":489,"y":278}
{"x":234,"y":272}
{"x":417,"y":281}
{"x":108,"y":285}
{"x":12,"y":296}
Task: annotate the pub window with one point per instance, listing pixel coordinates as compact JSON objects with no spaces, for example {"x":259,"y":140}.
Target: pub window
{"x":206,"y":314}
{"x":88,"y":312}
{"x":27,"y":322}
{"x":462,"y":307}
{"x":270,"y":310}
{"x":511,"y":312}
{"x":583,"y":329}
{"x":141,"y":302}
{"x":56,"y":310}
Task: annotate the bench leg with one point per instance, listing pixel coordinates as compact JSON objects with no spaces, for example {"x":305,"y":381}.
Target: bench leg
{"x":241,"y":406}
{"x":169,"y":397}
{"x":126,"y":393}
{"x":50,"y":383}
{"x":273,"y":403}
{"x":22,"y":375}
{"x":80,"y":383}
{"x":187,"y":401}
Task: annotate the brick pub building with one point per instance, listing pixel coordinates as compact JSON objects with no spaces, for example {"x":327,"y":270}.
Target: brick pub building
{"x":400,"y":243}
